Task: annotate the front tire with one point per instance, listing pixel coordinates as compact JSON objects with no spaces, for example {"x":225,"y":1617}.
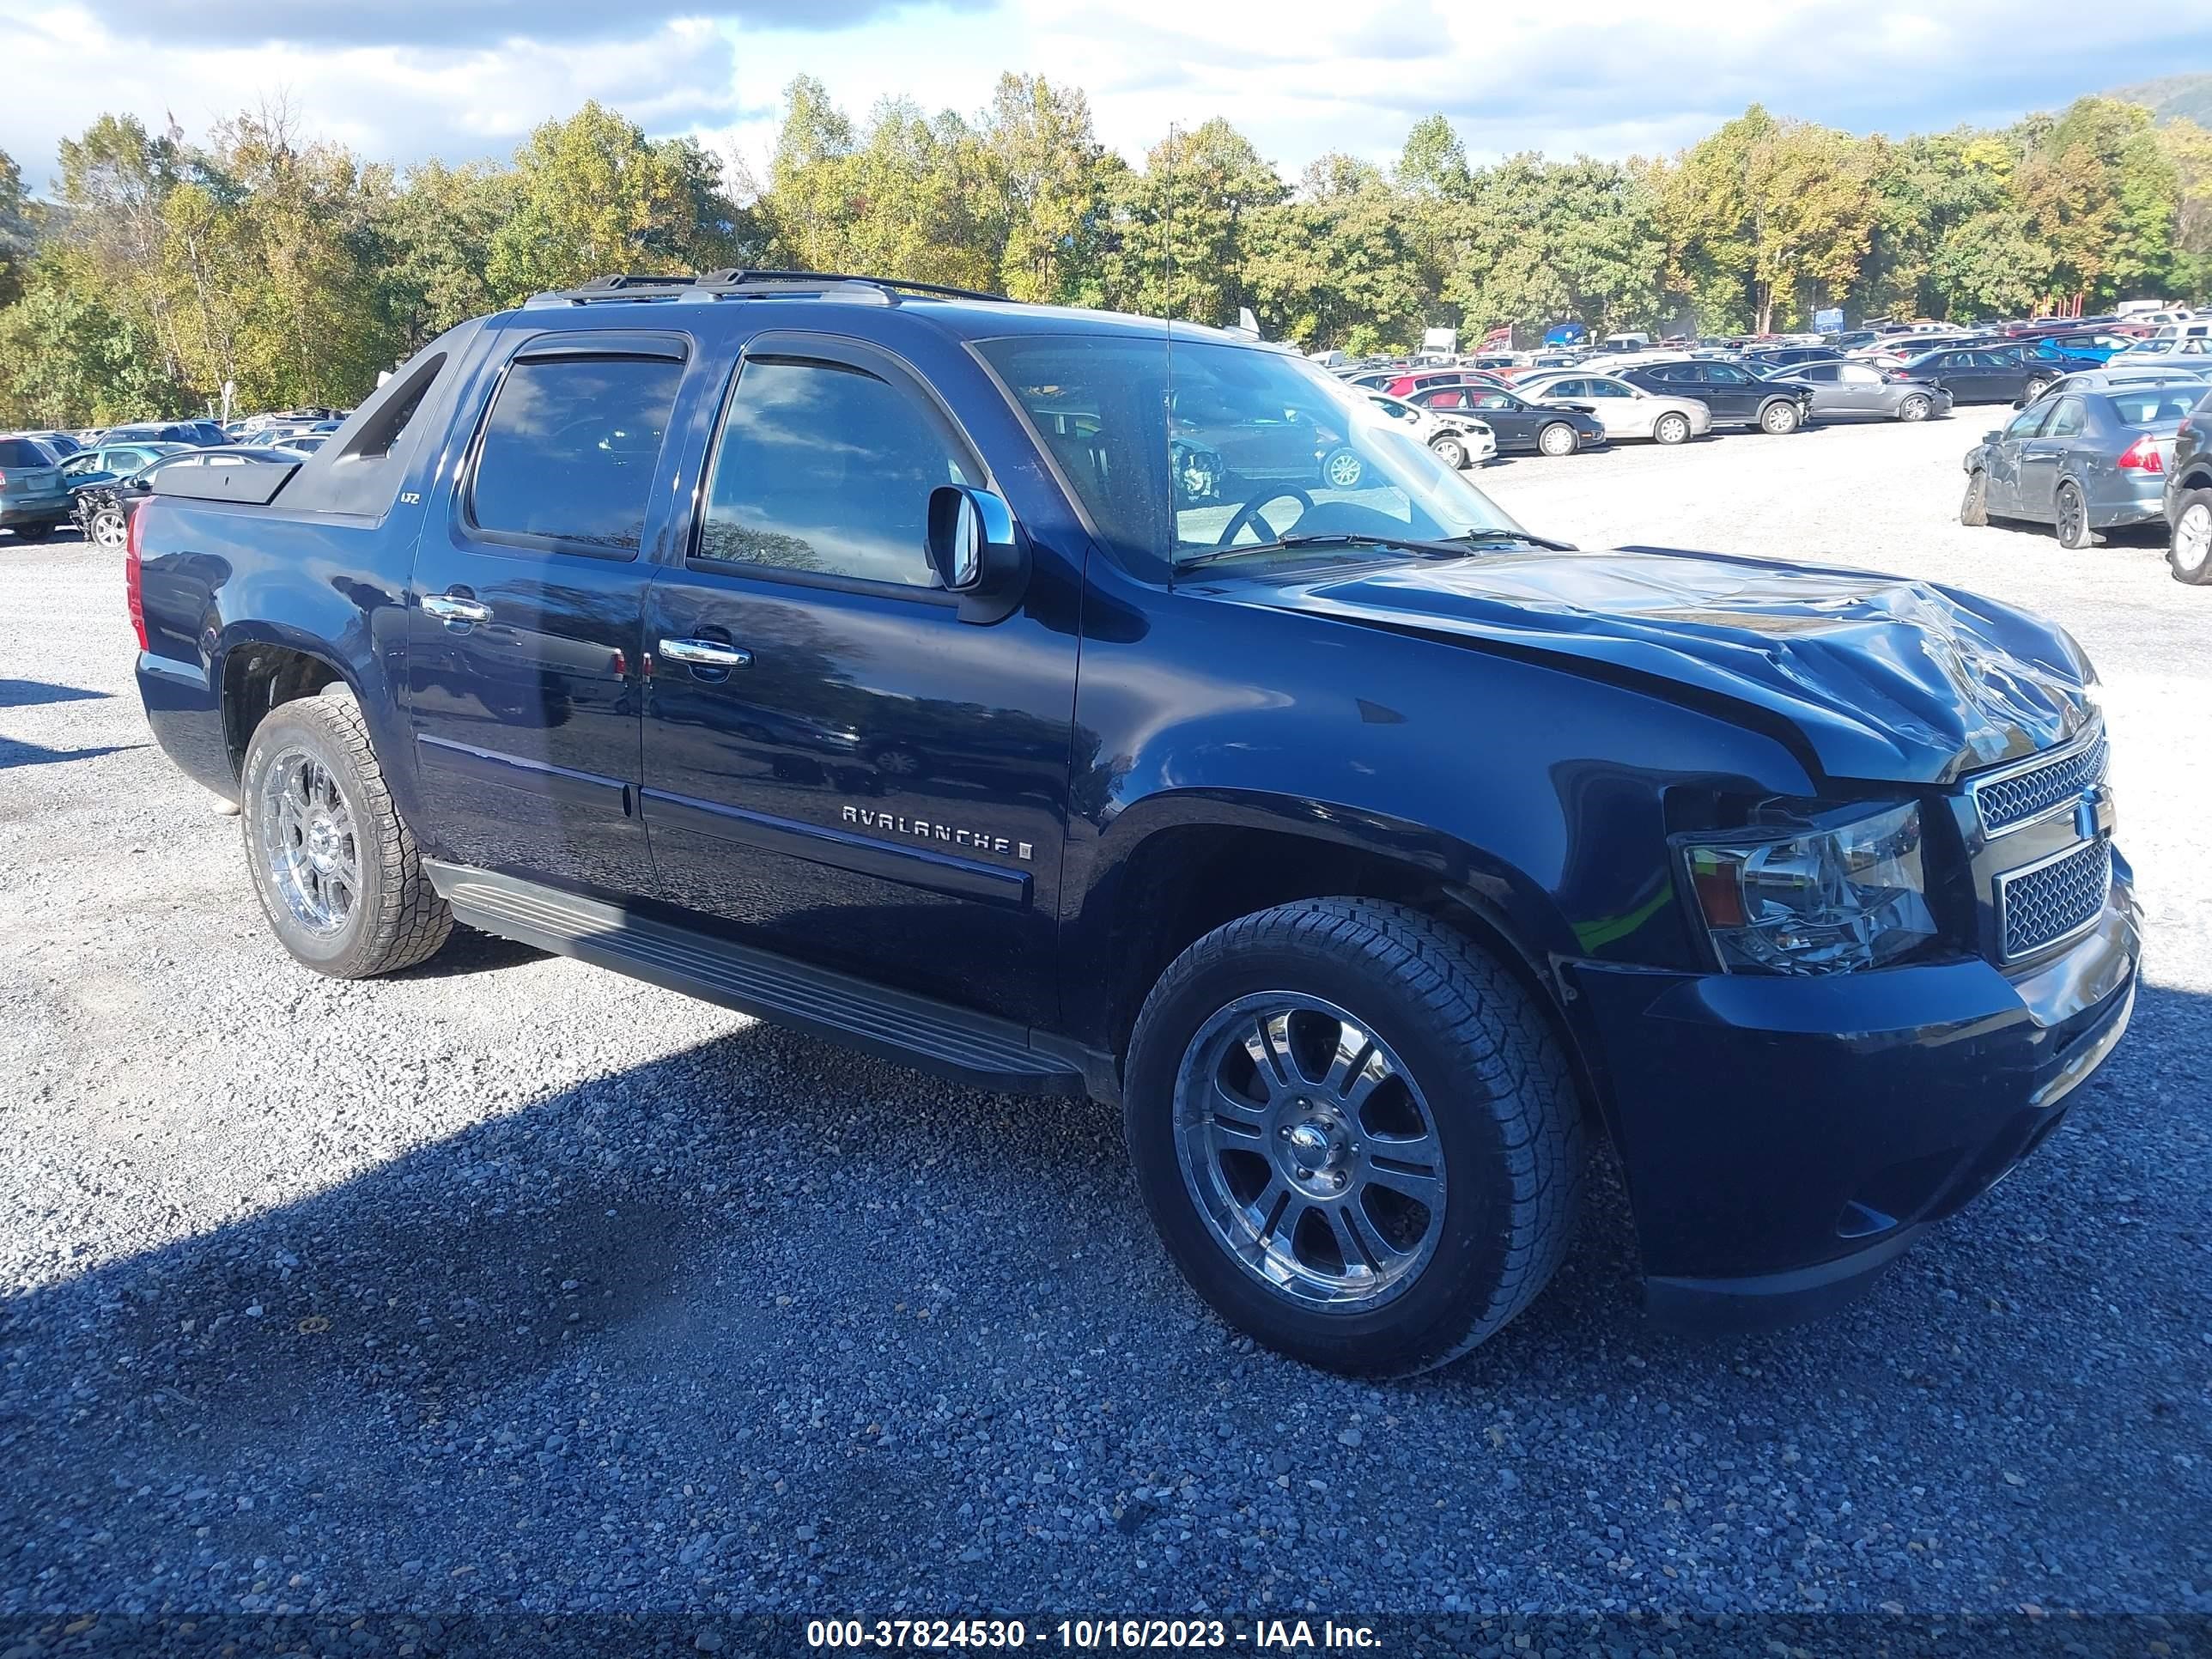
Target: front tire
{"x":109,"y":530}
{"x":1451,"y":451}
{"x":2073,"y":519}
{"x":1355,"y":1133}
{"x":1557,"y":439}
{"x":2034,"y":389}
{"x":2189,"y":552}
{"x":1915,"y":408}
{"x":338,"y":874}
{"x":1779,"y":417}
{"x":1974,"y":509}
{"x":1343,"y":468}
{"x":1671,"y":430}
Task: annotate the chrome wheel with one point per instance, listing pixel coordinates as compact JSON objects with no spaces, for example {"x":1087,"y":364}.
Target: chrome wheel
{"x":1310,"y":1152}
{"x":1913,"y":408}
{"x":308,"y":842}
{"x":2192,"y":540}
{"x":1672,"y":428}
{"x":110,"y":530}
{"x":1557,"y":440}
{"x":1344,"y":469}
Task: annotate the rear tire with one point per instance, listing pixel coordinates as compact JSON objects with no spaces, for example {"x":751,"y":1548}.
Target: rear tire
{"x":1779,"y":418}
{"x":1404,"y":1058}
{"x":2073,"y":519}
{"x":1557,"y":439}
{"x":2189,"y":550}
{"x":1974,"y":510}
{"x":338,"y":874}
{"x":1671,"y":430}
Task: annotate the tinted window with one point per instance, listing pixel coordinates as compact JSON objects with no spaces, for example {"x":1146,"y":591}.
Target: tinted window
{"x":823,"y":467}
{"x":2028,"y":422}
{"x":2067,"y":420}
{"x":21,"y":452}
{"x":1606,"y":389}
{"x":1819,"y":374}
{"x":570,"y":449}
{"x":1726,"y":374}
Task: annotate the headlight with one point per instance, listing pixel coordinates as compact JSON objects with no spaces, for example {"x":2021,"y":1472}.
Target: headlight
{"x":1824,"y":895}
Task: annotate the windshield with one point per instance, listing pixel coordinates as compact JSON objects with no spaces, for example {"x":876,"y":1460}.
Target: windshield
{"x":1216,"y":447}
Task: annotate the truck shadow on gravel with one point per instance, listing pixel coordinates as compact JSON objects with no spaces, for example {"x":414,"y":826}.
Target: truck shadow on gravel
{"x":764,"y":1265}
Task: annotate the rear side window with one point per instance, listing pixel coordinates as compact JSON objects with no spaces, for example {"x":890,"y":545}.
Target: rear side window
{"x":2161,"y":407}
{"x":825,"y":467}
{"x":569,"y":451}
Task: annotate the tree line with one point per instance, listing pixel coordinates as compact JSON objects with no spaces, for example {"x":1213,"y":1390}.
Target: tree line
{"x":158,"y":268}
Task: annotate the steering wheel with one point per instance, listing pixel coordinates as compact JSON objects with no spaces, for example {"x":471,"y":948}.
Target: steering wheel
{"x":1250,"y":512}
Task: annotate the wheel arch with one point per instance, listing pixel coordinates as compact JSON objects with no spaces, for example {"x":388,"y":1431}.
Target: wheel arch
{"x":1198,"y":860}
{"x":256,"y":673}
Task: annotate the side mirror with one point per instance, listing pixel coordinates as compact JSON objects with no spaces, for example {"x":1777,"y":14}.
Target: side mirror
{"x":1992,"y":437}
{"x":977,"y":551}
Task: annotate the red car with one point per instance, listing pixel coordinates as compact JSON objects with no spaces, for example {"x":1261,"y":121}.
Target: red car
{"x":1407,"y":385}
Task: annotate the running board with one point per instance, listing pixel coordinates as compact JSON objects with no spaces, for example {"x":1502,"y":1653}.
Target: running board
{"x":913,"y":1030}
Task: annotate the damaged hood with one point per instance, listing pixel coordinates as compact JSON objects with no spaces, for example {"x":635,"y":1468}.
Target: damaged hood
{"x":1884,"y":678}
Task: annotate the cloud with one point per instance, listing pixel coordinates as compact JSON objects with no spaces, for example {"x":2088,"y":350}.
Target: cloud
{"x":422,"y":24}
{"x":386,"y":102}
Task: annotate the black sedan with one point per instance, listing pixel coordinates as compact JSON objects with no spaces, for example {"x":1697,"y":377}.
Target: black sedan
{"x":1981,"y":374}
{"x":2081,"y":462}
{"x":1735,"y":395}
{"x":1520,"y":426}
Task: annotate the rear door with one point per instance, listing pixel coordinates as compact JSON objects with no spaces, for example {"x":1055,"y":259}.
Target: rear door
{"x":837,"y":766}
{"x":524,"y":666}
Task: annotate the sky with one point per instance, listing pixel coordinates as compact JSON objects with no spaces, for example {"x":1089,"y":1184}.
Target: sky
{"x":405,"y":80}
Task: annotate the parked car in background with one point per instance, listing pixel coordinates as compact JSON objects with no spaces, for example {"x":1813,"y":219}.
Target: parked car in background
{"x":1458,"y":440}
{"x":106,"y":461}
{"x":1519,"y":425}
{"x":1848,"y":390}
{"x":200,"y":433}
{"x":102,"y":507}
{"x":2166,"y":348}
{"x":1733,"y":394}
{"x":1788,"y":356}
{"x":34,"y":501}
{"x":2081,"y":463}
{"x":2085,"y":349}
{"x":1623,"y":409}
{"x":1981,"y":374}
{"x":1567,"y":334}
{"x":1404,"y":386}
{"x":63,"y":444}
{"x":2188,"y":504}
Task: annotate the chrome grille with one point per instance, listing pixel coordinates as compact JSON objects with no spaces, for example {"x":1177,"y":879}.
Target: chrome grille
{"x":2012,"y":799}
{"x":2053,"y":900}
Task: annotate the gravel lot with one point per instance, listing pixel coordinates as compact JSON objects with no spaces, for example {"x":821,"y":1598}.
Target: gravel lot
{"x":512,"y":1284}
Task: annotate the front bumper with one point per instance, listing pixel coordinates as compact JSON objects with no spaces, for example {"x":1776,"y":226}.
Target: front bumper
{"x":1785,"y":1140}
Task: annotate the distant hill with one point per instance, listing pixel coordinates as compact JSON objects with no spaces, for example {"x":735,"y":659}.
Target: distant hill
{"x":2170,"y":95}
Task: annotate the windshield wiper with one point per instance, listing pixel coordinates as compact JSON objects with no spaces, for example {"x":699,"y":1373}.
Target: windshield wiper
{"x":1451,"y":550}
{"x":1489,"y":537}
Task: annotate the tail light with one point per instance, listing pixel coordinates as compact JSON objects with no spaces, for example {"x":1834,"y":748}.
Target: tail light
{"x":134,"y":580}
{"x":2142,"y":455}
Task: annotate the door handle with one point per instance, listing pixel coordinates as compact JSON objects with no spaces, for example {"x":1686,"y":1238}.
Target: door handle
{"x":458,"y":613}
{"x":706,"y":653}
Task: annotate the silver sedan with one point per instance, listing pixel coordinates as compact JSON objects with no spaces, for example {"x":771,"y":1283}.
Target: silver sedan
{"x":1624,"y":410}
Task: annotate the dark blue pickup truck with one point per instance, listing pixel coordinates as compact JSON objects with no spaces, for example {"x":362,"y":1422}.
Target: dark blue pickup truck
{"x":1076,"y":704}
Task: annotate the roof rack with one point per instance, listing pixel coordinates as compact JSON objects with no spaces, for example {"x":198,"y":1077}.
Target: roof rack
{"x":739,"y":283}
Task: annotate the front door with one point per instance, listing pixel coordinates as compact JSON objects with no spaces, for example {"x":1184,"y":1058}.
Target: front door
{"x":524,"y":665}
{"x":2040,"y":457}
{"x":2005,"y":458}
{"x":837,"y":766}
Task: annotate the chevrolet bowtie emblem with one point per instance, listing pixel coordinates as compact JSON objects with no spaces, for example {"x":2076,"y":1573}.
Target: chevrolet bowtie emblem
{"x":2093,"y":813}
